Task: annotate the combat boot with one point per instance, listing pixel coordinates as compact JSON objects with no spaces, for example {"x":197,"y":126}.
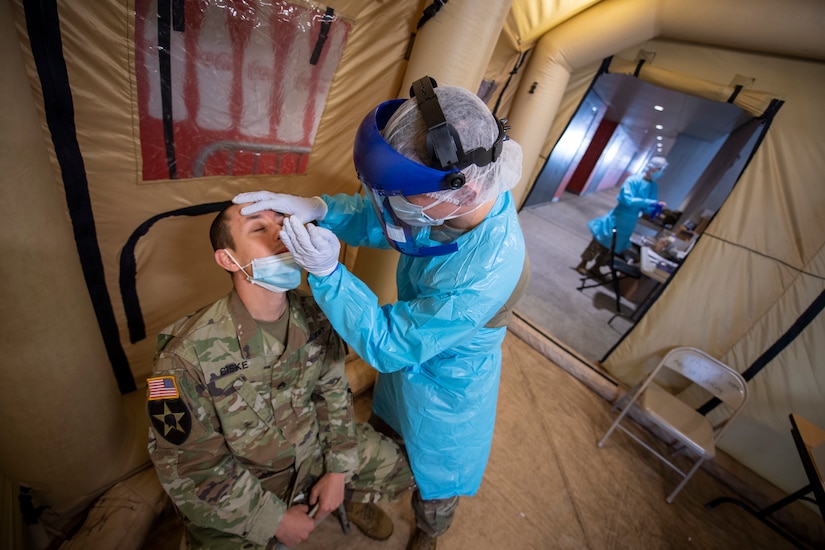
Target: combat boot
{"x":370,"y":519}
{"x":421,"y":541}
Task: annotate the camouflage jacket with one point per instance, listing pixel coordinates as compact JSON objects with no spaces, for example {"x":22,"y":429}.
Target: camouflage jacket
{"x":230,"y":407}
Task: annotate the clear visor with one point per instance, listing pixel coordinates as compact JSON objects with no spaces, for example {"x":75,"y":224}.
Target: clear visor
{"x":407,"y":239}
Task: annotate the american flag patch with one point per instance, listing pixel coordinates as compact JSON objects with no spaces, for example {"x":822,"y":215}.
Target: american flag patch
{"x":162,"y":387}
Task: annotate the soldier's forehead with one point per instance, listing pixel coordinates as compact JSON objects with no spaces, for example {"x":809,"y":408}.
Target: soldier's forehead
{"x":240,"y":220}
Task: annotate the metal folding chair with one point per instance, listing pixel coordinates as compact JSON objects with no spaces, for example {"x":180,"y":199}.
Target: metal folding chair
{"x":692,"y":432}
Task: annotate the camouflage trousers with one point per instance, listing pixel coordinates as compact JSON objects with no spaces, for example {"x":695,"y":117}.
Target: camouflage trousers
{"x":433,"y":516}
{"x":383,"y":474}
{"x":595,"y":251}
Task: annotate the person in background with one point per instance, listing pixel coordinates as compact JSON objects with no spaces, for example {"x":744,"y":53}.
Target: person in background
{"x":252,"y":428}
{"x":639,"y":194}
{"x":436,"y":172}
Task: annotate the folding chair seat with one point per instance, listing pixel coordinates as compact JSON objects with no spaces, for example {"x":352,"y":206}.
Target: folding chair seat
{"x":619,"y":269}
{"x":691,"y":431}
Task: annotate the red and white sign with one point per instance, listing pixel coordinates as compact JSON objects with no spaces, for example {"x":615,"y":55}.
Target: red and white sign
{"x":242,"y":95}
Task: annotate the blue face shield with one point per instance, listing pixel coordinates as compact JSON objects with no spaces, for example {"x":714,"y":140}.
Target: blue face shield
{"x":385,"y":172}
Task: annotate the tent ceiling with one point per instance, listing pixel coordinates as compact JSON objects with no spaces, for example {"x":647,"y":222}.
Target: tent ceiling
{"x":630,"y":101}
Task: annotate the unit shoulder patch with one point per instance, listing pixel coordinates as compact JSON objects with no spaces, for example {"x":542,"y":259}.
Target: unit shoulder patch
{"x":170,"y":419}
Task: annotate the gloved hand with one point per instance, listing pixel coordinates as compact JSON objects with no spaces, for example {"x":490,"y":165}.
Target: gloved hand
{"x":313,"y":248}
{"x":305,"y":209}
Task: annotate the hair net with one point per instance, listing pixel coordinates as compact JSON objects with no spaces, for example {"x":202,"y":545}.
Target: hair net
{"x":656,"y":163}
{"x":476,"y":127}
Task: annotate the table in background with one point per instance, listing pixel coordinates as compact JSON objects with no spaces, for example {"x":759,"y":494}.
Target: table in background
{"x":810,"y":444}
{"x":656,"y":268}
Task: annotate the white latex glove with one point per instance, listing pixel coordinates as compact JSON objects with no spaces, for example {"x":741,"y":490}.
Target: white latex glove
{"x":313,"y":248}
{"x":305,"y":209}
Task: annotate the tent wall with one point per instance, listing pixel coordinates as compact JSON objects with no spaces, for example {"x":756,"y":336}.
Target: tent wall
{"x":53,"y":389}
{"x":758,"y":267}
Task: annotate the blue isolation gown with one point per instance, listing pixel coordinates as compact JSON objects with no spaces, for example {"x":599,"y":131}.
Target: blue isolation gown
{"x":439,"y":365}
{"x":637,"y":195}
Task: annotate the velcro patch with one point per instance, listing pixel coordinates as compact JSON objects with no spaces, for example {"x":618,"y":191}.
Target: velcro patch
{"x":171,"y":420}
{"x":162,"y":387}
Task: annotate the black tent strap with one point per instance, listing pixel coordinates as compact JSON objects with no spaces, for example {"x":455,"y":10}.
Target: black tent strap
{"x":767,"y":119}
{"x":604,"y":68}
{"x":771,"y":111}
{"x":735,"y":93}
{"x":784,"y":341}
{"x":326,"y":23}
{"x":43,"y":26}
{"x":178,"y":17}
{"x":429,"y":13}
{"x":165,"y":70}
{"x":513,"y":72}
{"x":128,"y":265}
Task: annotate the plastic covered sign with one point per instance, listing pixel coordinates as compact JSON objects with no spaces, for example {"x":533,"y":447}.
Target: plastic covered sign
{"x":232,"y":87}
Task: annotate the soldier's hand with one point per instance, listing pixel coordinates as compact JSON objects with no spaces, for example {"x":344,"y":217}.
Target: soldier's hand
{"x":328,"y":492}
{"x":295,"y":526}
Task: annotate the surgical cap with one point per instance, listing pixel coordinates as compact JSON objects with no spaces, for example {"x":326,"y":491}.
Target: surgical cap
{"x":476,"y":127}
{"x":656,"y":163}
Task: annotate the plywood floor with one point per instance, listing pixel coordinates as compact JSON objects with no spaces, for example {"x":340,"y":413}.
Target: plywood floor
{"x":548,"y":486}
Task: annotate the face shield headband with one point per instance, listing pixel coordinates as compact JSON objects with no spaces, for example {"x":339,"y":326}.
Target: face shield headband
{"x":443,"y":144}
{"x":384,"y":169}
{"x":385,"y":172}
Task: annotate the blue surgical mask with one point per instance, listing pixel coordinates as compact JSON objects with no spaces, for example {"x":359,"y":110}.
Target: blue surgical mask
{"x":277,"y":273}
{"x":654,"y":176}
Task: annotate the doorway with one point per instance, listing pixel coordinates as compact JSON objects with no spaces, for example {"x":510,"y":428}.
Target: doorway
{"x":620,"y":124}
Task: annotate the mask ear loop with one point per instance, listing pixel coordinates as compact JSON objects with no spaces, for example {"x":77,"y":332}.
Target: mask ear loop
{"x":241,"y":267}
{"x":438,"y":201}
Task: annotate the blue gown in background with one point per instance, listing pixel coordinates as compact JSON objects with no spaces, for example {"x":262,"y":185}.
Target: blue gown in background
{"x":636,"y":195}
{"x":440,"y":366}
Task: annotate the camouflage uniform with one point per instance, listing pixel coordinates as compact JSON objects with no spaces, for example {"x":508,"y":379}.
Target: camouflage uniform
{"x":595,"y":251}
{"x":241,"y":424}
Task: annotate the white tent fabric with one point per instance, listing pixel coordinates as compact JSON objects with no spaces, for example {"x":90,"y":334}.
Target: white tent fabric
{"x":759,"y":265}
{"x":755,"y":270}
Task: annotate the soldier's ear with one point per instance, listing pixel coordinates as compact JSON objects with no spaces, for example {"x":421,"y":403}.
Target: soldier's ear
{"x":224,"y":259}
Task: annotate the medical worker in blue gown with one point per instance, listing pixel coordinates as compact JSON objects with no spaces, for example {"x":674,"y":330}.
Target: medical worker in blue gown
{"x":436,"y":170}
{"x":639,"y":193}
